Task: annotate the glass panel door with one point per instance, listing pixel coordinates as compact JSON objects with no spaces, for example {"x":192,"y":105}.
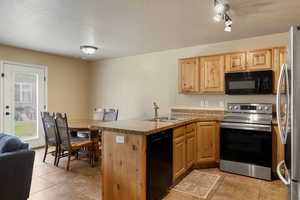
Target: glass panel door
{"x":24,"y":99}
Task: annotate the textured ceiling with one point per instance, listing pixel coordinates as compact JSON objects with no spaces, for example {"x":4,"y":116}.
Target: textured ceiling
{"x":129,"y":27}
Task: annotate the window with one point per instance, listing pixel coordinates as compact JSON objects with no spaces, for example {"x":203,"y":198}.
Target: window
{"x":23,"y":92}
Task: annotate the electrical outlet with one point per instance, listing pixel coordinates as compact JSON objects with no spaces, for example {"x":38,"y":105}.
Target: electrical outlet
{"x":201,"y":103}
{"x":120,"y":139}
{"x":206,"y":103}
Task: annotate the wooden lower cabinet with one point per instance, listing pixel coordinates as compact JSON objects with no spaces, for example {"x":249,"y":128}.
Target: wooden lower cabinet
{"x":179,"y":157}
{"x":190,"y":149}
{"x":184,"y":149}
{"x":196,"y":143}
{"x":207,"y":142}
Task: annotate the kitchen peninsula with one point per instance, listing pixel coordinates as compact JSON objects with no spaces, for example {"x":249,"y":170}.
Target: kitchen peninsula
{"x":195,"y":141}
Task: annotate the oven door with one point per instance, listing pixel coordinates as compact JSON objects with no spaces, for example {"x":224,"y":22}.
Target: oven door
{"x":258,"y":82}
{"x":246,"y":143}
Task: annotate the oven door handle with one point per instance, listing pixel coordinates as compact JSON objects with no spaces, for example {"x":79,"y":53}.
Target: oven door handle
{"x":242,"y":126}
{"x":282,"y":131}
{"x":281,"y":165}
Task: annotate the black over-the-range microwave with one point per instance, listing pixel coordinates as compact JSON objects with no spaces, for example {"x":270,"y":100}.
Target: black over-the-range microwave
{"x":244,"y":83}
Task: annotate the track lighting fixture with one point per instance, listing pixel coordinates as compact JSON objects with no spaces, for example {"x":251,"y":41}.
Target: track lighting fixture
{"x":221,"y":10}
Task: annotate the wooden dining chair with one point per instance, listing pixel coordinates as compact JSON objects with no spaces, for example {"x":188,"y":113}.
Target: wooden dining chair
{"x":69,"y":146}
{"x":51,"y":136}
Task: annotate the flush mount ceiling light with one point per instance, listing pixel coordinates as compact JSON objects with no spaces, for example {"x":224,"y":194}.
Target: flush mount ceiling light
{"x":88,"y":50}
{"x":221,"y":9}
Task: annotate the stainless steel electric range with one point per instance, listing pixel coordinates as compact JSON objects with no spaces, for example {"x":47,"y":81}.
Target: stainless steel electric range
{"x":246,"y":140}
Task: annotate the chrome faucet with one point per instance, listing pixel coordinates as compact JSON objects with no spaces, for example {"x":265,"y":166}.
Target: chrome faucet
{"x":155,"y":110}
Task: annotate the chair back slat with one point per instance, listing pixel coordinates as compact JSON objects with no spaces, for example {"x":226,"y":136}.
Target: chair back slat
{"x":49,"y":127}
{"x":62,"y":128}
{"x":110,"y":114}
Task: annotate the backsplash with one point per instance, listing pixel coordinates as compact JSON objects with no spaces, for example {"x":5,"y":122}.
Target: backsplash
{"x":218,"y":102}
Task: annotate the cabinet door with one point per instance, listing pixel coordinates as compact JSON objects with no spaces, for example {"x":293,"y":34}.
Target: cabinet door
{"x":207,"y":146}
{"x":260,"y":59}
{"x":189,"y":75}
{"x":212,"y":74}
{"x":235,"y":62}
{"x":179,"y":154}
{"x":179,"y":160}
{"x":279,"y":54}
{"x":190,"y":149}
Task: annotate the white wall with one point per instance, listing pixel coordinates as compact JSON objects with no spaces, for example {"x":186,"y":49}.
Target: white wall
{"x":133,"y":83}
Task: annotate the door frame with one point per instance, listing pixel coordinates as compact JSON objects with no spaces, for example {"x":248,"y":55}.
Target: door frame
{"x":2,"y":63}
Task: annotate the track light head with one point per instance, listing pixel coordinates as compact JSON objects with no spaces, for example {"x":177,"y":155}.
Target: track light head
{"x":227,"y":28}
{"x":228,"y":21}
{"x":218,"y":17}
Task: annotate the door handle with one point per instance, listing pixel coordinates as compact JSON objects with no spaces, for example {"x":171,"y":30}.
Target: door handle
{"x":286,"y":180}
{"x":282,"y":131}
{"x":7,"y":113}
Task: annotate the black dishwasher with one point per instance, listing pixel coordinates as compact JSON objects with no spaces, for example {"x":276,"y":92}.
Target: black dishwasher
{"x":159,"y":164}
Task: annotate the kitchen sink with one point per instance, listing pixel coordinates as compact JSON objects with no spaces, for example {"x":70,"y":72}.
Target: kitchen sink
{"x":167,"y":119}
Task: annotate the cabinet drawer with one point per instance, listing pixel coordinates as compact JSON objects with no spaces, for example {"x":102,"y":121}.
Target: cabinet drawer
{"x":191,"y":134}
{"x":178,"y":132}
{"x":190,"y":128}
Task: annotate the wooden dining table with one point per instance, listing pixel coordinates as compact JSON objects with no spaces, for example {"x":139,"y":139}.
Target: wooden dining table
{"x":87,"y":126}
{"x":84,"y":124}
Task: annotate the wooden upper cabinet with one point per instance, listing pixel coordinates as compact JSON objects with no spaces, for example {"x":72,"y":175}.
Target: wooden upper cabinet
{"x":189,"y":75}
{"x":279,"y":58}
{"x":212,"y":74}
{"x":205,"y":74}
{"x":235,"y":62}
{"x":207,"y":142}
{"x":260,"y":59}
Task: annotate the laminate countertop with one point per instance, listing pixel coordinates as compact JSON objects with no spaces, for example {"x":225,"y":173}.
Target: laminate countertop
{"x":147,"y":127}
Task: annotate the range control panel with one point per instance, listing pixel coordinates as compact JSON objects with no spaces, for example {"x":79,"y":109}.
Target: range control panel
{"x":266,"y":108}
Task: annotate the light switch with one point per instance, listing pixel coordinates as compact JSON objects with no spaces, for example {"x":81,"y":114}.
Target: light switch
{"x":120,"y":139}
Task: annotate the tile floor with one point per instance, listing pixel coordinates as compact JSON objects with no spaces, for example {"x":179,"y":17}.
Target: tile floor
{"x":83,"y":183}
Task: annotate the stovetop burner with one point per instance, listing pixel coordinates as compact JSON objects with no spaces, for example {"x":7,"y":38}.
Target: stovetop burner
{"x":248,"y":113}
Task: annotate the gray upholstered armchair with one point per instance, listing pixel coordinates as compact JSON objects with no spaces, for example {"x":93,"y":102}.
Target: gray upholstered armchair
{"x":16,"y":166}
